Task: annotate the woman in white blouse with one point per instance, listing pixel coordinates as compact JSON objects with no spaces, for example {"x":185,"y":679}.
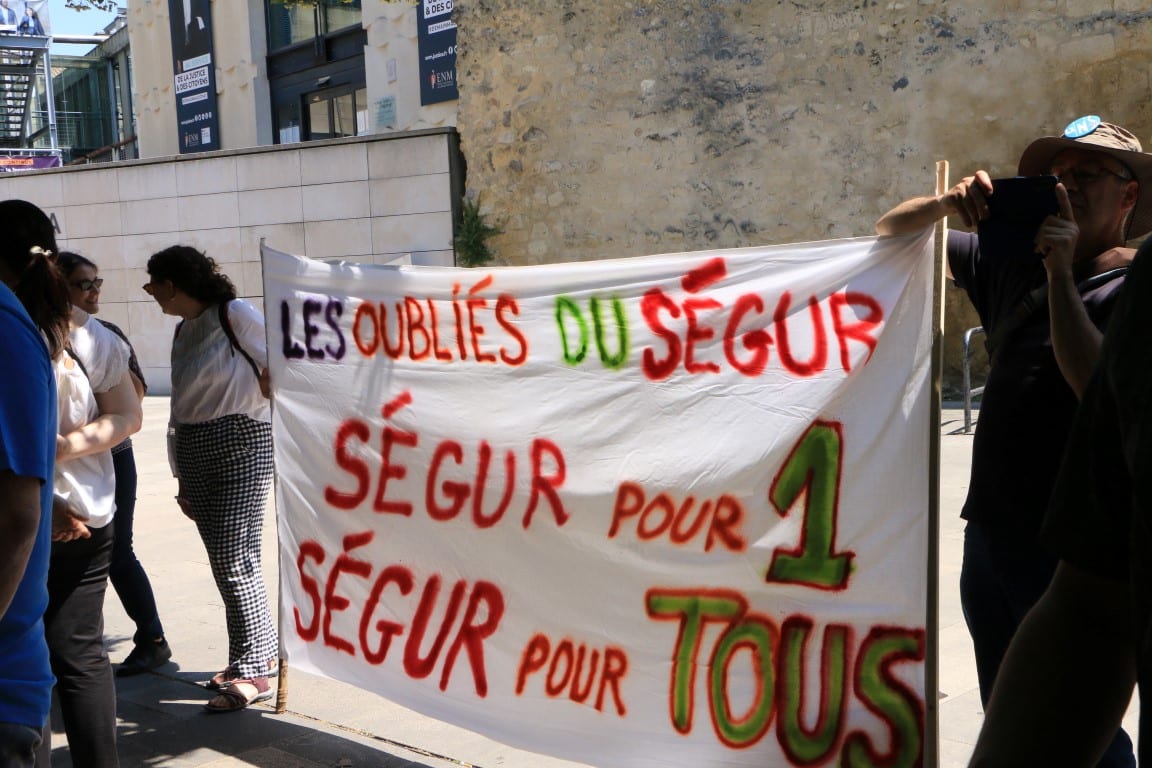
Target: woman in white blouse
{"x":222,"y":453}
{"x":149,"y":648}
{"x":97,"y":409}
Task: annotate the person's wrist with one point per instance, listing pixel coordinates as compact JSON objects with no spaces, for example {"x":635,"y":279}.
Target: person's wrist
{"x":1059,"y":272}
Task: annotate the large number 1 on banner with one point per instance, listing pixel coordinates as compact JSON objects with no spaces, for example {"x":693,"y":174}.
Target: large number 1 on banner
{"x":813,"y":466}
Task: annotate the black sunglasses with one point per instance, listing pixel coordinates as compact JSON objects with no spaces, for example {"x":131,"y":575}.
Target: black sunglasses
{"x":87,"y":285}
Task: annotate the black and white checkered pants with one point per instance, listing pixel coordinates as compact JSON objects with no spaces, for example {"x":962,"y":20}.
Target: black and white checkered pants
{"x":225,"y":468}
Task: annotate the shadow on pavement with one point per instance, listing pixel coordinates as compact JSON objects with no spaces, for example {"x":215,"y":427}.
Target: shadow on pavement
{"x":162,"y":722}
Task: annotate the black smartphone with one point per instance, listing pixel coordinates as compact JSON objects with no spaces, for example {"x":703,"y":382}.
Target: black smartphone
{"x":1016,"y":209}
{"x":1023,"y":199}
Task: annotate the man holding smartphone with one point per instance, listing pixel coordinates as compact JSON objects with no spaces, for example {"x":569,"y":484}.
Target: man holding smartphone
{"x":1044,"y":310}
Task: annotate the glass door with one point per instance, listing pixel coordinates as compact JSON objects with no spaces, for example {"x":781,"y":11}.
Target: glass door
{"x":335,"y":113}
{"x":316,"y":69}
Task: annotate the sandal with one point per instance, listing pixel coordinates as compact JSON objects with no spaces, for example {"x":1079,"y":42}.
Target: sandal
{"x":227,"y":676}
{"x":221,"y":679}
{"x":239,"y":694}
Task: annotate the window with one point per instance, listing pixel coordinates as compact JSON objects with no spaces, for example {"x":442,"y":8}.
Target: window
{"x":297,"y":21}
{"x":290,"y":23}
{"x":287,"y":124}
{"x":339,"y":14}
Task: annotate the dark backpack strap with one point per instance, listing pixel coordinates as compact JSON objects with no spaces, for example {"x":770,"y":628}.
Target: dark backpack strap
{"x":1098,"y":280}
{"x":72,"y":354}
{"x":226,"y":324}
{"x":1035,"y":299}
{"x":133,"y":363}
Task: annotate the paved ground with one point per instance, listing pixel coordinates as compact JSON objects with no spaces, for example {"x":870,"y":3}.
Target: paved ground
{"x":334,"y":725}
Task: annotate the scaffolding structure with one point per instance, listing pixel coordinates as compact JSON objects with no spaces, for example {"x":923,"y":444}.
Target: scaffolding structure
{"x":24,"y":63}
{"x":65,"y":109}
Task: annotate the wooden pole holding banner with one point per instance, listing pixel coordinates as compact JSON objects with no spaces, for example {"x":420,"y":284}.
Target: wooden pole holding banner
{"x":282,"y":669}
{"x":932,"y":644}
{"x":282,"y":685}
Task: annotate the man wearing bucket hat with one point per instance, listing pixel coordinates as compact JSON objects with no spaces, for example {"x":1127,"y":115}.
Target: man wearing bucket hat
{"x":1044,"y":310}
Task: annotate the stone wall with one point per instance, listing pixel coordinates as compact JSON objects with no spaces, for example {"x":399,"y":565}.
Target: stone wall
{"x":595,"y":130}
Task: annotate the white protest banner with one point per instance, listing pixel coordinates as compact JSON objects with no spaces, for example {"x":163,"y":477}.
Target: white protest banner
{"x":660,"y":511}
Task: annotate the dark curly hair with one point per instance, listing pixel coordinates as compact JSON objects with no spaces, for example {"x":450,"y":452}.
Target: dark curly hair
{"x":192,"y":272}
{"x":27,"y":252}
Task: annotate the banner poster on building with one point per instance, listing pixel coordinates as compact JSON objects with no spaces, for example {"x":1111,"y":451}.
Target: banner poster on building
{"x":436,"y":38}
{"x":659,"y":511}
{"x":25,"y":17}
{"x":10,"y":163}
{"x":197,"y":115}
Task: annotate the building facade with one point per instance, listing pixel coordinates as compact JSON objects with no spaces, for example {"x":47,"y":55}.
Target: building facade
{"x":289,"y":70}
{"x":596,"y":130}
{"x":304,"y":163}
{"x":374,"y":199}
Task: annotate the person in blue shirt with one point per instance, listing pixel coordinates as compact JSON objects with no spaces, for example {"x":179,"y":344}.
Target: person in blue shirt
{"x":34,"y":325}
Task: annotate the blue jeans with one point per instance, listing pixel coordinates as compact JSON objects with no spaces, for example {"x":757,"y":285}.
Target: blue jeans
{"x":1005,"y":572}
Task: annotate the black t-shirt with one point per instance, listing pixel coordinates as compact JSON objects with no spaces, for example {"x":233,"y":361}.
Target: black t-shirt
{"x":1027,"y":407}
{"x":1101,"y":512}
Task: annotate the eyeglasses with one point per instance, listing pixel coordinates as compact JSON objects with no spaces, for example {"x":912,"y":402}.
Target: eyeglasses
{"x":88,"y":285}
{"x":1085,"y":175}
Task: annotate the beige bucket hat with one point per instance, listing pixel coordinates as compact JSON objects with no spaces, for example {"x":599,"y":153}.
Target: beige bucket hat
{"x":1092,"y":134}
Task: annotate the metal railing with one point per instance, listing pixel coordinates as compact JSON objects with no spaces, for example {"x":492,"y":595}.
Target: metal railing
{"x":113,"y":150}
{"x":969,"y":391}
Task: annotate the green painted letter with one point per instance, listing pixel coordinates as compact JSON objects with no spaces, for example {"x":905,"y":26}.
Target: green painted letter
{"x":806,"y":746}
{"x":813,"y":466}
{"x":889,"y":698}
{"x":565,"y":304}
{"x":693,"y":609}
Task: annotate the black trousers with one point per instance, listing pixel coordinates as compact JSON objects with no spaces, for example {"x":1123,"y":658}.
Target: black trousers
{"x":1003,"y":575}
{"x":18,"y":745}
{"x":74,"y":626}
{"x":127,"y":575}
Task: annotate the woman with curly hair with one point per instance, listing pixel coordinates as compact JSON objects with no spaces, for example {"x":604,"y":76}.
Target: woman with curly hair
{"x":222,"y":453}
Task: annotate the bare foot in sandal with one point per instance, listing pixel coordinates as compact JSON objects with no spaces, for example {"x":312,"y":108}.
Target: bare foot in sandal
{"x":239,"y":695}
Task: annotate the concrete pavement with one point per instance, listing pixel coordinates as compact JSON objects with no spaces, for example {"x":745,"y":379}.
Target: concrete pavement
{"x":162,"y":722}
